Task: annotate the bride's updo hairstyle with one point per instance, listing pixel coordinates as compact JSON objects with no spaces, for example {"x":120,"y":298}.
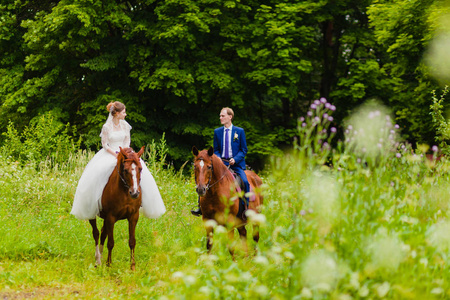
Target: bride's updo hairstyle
{"x":115,"y":107}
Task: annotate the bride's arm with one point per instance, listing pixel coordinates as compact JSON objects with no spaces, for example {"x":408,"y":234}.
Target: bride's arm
{"x":105,"y":140}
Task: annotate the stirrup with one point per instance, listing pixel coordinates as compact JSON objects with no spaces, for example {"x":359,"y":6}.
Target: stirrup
{"x":196,"y":212}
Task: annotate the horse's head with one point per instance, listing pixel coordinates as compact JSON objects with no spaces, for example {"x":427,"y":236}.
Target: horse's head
{"x":203,"y":169}
{"x":129,"y":167}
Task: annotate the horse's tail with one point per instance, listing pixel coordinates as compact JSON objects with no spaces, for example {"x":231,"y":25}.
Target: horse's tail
{"x":257,"y":182}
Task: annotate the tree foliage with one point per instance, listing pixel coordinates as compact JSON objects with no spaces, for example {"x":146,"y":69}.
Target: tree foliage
{"x":176,"y":63}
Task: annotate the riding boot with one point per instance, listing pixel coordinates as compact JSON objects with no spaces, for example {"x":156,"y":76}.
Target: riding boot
{"x":198,"y":211}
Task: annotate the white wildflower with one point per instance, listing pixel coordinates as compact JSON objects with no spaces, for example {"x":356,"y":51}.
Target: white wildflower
{"x":210,"y":223}
{"x":439,"y":235}
{"x":320,"y":271}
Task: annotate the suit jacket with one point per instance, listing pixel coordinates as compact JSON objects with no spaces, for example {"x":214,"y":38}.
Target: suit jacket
{"x":238,"y":145}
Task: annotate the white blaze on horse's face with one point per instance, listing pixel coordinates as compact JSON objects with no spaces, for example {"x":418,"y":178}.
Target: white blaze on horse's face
{"x":202,"y":164}
{"x":134,"y":176}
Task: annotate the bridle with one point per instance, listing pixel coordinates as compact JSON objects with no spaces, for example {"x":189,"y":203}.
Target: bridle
{"x":123,"y":179}
{"x":121,"y":176}
{"x":209,"y":185}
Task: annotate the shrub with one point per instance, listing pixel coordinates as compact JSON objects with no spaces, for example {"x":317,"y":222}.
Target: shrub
{"x":44,"y":138}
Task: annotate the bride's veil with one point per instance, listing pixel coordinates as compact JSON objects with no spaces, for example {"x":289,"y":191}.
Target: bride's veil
{"x":108,"y":124}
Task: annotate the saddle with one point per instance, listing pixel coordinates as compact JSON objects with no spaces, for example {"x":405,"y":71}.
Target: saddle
{"x":243,"y":204}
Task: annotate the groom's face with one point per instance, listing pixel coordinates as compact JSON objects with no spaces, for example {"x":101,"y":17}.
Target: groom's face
{"x":225,"y":118}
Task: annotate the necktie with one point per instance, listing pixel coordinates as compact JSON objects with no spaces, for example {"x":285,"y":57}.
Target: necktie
{"x":227,"y":144}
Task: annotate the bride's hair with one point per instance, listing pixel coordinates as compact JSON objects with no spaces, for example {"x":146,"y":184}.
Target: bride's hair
{"x":115,"y":107}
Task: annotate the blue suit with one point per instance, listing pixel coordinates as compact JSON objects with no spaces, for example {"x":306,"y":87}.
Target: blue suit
{"x":238,"y":148}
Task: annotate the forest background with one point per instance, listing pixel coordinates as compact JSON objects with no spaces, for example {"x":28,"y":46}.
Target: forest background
{"x":176,"y":63}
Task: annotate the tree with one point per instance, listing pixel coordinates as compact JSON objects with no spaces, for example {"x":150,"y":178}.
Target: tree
{"x":175,"y":64}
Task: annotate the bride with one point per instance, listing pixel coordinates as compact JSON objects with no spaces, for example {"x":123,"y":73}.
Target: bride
{"x":115,"y":133}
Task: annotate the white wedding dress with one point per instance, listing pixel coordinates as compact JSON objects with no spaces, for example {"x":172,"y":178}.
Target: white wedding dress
{"x":87,"y":201}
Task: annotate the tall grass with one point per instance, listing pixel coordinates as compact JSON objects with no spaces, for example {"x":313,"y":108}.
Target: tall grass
{"x":340,"y":223}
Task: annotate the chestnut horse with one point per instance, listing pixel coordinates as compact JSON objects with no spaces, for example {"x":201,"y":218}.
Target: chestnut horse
{"x":121,"y":199}
{"x":216,"y":187}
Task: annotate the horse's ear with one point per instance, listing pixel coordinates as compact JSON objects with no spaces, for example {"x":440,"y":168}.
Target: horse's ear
{"x":195,"y":151}
{"x":124,"y":153}
{"x":141,"y":151}
{"x":120,"y":156}
{"x":210,"y":151}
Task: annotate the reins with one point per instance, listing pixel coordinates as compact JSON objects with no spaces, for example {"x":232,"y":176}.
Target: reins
{"x":121,"y":177}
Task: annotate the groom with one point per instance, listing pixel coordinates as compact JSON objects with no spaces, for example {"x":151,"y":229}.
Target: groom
{"x":230,"y":144}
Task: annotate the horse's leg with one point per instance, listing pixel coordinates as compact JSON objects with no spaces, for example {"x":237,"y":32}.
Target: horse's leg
{"x":103,"y":236}
{"x":209,"y":237}
{"x":96,"y":234}
{"x":231,"y":242}
{"x":132,"y":221}
{"x":256,"y":236}
{"x":108,"y":227}
{"x":243,"y":236}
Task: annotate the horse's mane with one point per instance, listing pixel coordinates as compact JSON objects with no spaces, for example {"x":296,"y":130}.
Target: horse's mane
{"x":131,"y":155}
{"x":219,"y":165}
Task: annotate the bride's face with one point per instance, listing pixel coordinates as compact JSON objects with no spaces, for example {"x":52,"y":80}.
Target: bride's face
{"x":121,"y":115}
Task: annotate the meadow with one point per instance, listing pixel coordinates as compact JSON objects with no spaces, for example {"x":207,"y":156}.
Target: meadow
{"x":339,"y":222}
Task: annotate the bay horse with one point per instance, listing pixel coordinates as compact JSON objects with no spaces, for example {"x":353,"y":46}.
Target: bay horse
{"x":121,"y":199}
{"x":215,"y":185}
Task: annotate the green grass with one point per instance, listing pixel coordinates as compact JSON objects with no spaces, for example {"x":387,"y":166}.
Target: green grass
{"x":356,"y":231}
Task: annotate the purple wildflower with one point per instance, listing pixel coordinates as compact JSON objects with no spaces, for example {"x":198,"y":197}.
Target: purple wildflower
{"x":317,"y":119}
{"x":325,"y":116}
{"x":396,"y":126}
{"x":333,"y":129}
{"x":303,"y":124}
{"x":332,"y":107}
{"x":316,"y":102}
{"x":327,"y":105}
{"x":323,"y":100}
{"x":313,"y":106}
{"x":435,"y":148}
{"x":398,"y":155}
{"x":309,"y":113}
{"x":330,"y":118}
{"x":302,"y":119}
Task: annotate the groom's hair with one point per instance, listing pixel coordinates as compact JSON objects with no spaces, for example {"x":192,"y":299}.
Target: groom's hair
{"x":230,"y":112}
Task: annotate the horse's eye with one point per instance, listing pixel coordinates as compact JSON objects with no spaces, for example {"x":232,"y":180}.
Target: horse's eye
{"x":209,"y":167}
